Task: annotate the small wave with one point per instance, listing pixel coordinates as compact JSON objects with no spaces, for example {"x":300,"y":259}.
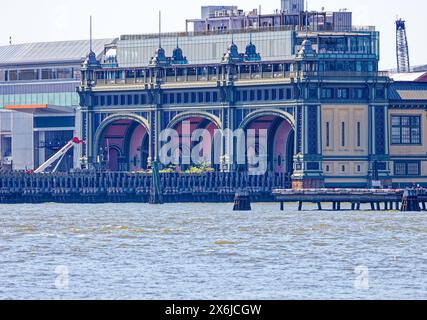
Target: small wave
{"x":225,"y":242}
{"x":43,"y":235}
{"x":26,"y":229}
{"x":140,"y":230}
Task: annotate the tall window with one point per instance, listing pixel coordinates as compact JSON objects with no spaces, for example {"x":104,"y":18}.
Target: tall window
{"x":252,"y":95}
{"x":245,"y":95}
{"x":359,"y":142}
{"x":342,"y":93}
{"x":405,"y":130}
{"x":328,"y":137}
{"x":327,"y":93}
{"x":343,"y":134}
{"x":215,"y":96}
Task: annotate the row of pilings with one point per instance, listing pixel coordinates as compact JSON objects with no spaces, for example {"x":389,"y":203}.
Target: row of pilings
{"x":117,"y":187}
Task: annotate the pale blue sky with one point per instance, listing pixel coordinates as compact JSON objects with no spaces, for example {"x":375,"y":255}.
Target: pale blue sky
{"x":50,"y":20}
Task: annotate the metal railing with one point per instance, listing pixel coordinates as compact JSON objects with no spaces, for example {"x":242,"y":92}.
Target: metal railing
{"x":272,"y":71}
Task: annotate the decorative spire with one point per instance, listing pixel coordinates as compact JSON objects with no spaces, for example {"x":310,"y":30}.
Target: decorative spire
{"x":251,"y":52}
{"x":177,"y":55}
{"x":232,"y":55}
{"x":306,"y":51}
{"x":91,"y":61}
{"x":160,"y":54}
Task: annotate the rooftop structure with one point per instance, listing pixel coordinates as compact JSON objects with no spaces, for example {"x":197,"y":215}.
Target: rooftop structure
{"x":61,"y":52}
{"x":219,"y":11}
{"x":407,"y":91}
{"x":410,"y":77}
{"x":272,"y":44}
{"x":292,"y":6}
{"x":293,"y":16}
{"x":419,"y":68}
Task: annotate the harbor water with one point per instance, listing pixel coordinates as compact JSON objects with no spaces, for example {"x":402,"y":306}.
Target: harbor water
{"x":207,"y":251}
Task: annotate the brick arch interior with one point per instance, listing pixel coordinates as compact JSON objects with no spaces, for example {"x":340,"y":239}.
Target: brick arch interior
{"x":184,"y":145}
{"x":123,"y":146}
{"x":280,"y":142}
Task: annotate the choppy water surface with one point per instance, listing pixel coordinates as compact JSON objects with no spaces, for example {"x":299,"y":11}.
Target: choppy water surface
{"x":205,"y":251}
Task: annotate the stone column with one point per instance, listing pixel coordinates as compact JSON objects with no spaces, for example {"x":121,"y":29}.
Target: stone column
{"x":379,"y":153}
{"x":308,"y":171}
{"x":155,"y":119}
{"x":228,"y":120}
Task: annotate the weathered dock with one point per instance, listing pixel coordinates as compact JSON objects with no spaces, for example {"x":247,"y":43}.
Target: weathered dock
{"x":118,"y":187}
{"x":337,"y":199}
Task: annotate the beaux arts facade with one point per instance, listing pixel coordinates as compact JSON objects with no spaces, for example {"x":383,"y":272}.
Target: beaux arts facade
{"x":319,"y":95}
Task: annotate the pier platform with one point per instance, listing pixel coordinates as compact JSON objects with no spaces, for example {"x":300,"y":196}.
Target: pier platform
{"x":119,"y":187}
{"x":350,"y":199}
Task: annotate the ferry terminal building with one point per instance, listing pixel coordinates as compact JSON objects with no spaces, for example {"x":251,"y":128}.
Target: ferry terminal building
{"x":333,"y":118}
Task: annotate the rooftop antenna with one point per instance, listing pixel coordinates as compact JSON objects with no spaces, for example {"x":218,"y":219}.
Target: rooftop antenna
{"x":90,"y":36}
{"x":160,"y":29}
{"x":10,"y":40}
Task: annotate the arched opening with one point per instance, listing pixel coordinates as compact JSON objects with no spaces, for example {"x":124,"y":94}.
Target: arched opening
{"x":184,"y":151}
{"x":279,"y":149}
{"x":113,"y":157}
{"x":122,"y":144}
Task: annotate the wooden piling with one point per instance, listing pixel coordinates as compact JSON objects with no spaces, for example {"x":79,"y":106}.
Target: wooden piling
{"x":410,"y":201}
{"x":242,"y":201}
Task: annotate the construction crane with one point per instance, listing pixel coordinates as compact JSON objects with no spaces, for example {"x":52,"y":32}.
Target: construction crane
{"x":402,"y":48}
{"x":58,"y":156}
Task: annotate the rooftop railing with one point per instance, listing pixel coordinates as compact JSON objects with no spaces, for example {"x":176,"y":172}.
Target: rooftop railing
{"x":213,"y":74}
